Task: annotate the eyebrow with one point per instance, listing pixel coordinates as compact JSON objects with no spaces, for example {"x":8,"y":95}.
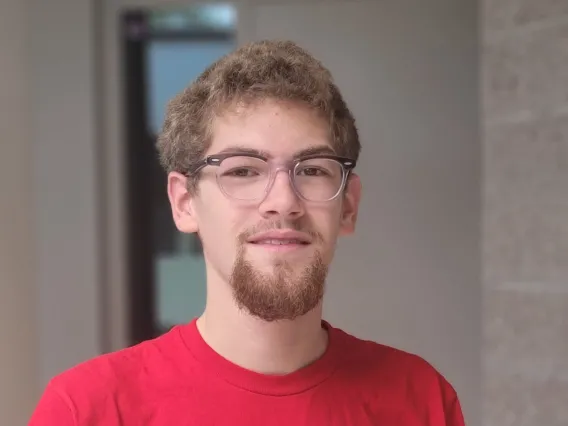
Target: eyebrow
{"x":313,"y":150}
{"x":240,"y":149}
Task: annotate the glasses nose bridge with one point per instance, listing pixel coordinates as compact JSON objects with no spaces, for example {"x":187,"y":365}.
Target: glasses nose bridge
{"x":282,"y":168}
{"x":288,"y":168}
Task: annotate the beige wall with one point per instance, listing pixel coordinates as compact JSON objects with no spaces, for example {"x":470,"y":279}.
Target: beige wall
{"x":525,"y":87}
{"x":67,"y":180}
{"x":50,"y":287}
{"x":18,"y":351}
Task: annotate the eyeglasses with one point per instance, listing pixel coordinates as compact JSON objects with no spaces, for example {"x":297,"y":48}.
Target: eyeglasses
{"x":249,"y":177}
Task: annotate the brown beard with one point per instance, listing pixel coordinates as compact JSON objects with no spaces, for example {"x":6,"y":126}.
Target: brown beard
{"x":282,"y":295}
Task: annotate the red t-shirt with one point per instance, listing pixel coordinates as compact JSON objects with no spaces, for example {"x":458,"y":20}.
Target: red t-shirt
{"x":178,"y":380}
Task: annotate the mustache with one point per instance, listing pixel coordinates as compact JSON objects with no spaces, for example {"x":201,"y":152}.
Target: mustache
{"x":279,"y":224}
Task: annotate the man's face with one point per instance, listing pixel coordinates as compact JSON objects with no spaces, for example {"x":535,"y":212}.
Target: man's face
{"x":273,"y":251}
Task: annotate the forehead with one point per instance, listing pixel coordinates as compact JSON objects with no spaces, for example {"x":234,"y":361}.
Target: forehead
{"x":280,"y":129}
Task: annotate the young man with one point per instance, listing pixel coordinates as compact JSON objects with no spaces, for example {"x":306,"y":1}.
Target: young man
{"x":260,"y":152}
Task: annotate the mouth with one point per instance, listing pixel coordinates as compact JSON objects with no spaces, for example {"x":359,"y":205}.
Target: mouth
{"x":280,"y":240}
{"x":279,"y":246}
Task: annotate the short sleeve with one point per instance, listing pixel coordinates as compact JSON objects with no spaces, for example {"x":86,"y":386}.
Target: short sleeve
{"x":452,"y":408}
{"x":52,"y":409}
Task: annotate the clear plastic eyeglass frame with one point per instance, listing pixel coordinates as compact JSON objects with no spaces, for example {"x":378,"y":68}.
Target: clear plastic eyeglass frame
{"x":346,"y":164}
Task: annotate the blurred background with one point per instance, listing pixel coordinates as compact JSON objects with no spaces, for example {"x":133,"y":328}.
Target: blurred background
{"x":461,"y":254}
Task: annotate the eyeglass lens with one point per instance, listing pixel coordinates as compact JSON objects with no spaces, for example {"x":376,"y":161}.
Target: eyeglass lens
{"x":247,"y":178}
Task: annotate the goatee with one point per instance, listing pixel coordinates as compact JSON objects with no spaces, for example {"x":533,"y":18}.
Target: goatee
{"x":283,"y":294}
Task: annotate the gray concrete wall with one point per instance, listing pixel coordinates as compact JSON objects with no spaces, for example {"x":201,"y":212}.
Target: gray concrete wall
{"x":525,"y":249}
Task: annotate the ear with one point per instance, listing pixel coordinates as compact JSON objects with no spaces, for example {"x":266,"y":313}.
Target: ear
{"x":181,"y":203}
{"x":350,"y":207}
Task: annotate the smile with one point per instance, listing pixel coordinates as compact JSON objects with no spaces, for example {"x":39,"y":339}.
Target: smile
{"x":280,"y":242}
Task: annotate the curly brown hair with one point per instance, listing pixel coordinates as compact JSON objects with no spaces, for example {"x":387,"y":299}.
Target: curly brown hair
{"x":279,"y":70}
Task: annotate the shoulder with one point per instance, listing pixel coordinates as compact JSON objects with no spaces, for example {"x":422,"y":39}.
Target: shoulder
{"x":111,"y":369}
{"x":96,"y":384}
{"x":400,"y":374}
{"x":374,"y":355}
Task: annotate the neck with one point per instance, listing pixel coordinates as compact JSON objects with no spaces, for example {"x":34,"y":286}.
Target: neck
{"x":278,"y":347}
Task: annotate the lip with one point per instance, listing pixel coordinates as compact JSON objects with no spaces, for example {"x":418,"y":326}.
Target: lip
{"x":303,"y":238}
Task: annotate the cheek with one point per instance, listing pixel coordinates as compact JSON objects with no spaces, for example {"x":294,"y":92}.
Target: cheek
{"x":217,"y":222}
{"x":328,"y":216}
{"x":328,"y":223}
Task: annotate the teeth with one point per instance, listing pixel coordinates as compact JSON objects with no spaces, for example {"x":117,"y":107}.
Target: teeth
{"x":279,"y":242}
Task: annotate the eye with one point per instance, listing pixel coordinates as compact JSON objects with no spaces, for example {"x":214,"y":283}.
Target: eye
{"x":241,"y":172}
{"x":312,"y":171}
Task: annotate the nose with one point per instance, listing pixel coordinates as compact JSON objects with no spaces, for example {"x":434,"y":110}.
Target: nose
{"x":281,"y":199}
